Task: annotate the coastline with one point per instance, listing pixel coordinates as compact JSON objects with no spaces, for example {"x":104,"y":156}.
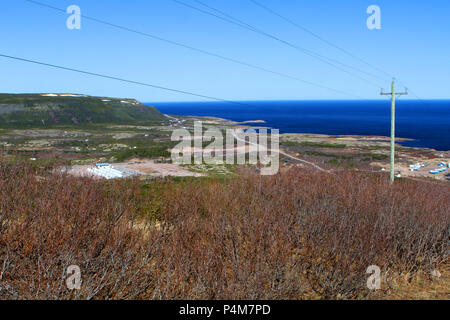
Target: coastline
{"x":359,"y":152}
{"x":247,"y":125}
{"x":417,"y":127}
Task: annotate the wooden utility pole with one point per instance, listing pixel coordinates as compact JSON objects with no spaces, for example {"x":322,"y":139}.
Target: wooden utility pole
{"x":393,"y":95}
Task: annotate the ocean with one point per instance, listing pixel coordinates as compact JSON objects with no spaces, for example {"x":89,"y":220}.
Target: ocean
{"x":427,"y":122}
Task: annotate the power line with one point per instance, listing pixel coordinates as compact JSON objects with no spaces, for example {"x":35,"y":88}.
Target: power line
{"x":120,"y":79}
{"x":232,"y":20}
{"x":202,"y":51}
{"x":414,"y":94}
{"x":231,"y":59}
{"x":295,"y":24}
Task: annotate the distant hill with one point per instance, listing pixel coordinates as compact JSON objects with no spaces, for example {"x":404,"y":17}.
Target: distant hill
{"x":18,"y":110}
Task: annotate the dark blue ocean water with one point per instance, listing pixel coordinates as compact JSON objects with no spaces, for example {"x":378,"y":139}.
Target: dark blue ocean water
{"x":427,"y":122}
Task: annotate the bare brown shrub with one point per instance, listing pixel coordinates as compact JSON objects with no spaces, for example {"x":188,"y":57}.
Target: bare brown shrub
{"x":48,"y":222}
{"x":296,"y":235}
{"x":279,"y":237}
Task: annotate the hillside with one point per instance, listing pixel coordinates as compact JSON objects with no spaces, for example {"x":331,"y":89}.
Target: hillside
{"x":31,"y":110}
{"x":297,"y":235}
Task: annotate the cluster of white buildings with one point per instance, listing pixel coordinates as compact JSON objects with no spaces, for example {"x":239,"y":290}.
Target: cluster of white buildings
{"x":442,"y":168}
{"x":417,"y":166}
{"x":106,"y":171}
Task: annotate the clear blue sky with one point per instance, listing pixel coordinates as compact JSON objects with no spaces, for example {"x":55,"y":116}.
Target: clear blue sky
{"x":413,"y":44}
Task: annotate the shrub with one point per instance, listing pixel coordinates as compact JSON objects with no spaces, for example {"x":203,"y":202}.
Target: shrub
{"x":296,"y":235}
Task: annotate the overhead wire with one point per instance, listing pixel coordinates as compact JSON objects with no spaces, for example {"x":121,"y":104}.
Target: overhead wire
{"x":232,"y":20}
{"x":119,"y":79}
{"x":202,"y":51}
{"x":321,"y":38}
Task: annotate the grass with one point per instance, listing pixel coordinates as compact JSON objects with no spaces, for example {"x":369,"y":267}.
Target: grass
{"x":373,"y":157}
{"x":152,"y":151}
{"x":328,"y":155}
{"x":213,"y":170}
{"x":375,"y":147}
{"x":314,"y":144}
{"x":345,"y":163}
{"x":96,"y":140}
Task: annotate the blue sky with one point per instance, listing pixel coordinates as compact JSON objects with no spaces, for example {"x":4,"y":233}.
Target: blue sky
{"x":413,"y":45}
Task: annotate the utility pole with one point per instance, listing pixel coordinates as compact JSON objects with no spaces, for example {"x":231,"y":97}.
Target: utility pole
{"x":393,"y":95}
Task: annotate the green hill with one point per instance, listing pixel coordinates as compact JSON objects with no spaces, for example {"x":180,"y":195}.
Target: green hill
{"x":31,"y":110}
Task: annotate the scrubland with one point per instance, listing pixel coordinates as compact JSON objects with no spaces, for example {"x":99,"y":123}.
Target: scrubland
{"x":297,"y":235}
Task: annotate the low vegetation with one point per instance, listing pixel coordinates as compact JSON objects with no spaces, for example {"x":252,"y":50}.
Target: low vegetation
{"x":296,"y":235}
{"x":145,"y":151}
{"x":314,"y":144}
{"x":35,"y":110}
